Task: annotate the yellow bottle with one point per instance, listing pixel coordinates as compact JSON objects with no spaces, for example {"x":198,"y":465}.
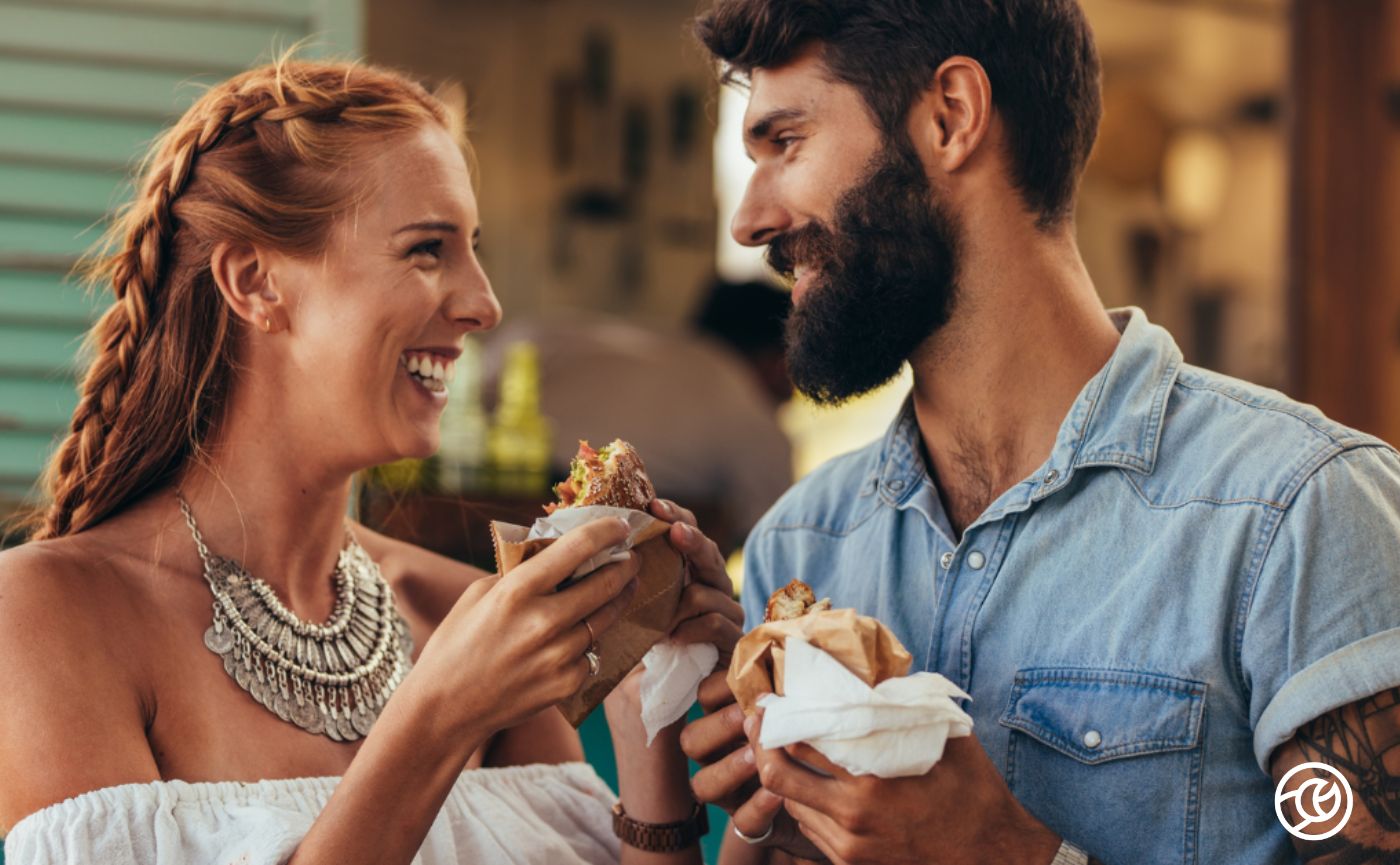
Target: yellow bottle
{"x":521,"y":437}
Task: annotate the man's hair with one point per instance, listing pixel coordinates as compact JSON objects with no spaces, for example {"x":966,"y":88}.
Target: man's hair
{"x":1038,"y":54}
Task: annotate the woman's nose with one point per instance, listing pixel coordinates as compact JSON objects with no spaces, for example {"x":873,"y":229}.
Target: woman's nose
{"x":472,"y":304}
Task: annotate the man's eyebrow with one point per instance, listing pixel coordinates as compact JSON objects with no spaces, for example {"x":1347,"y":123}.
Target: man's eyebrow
{"x":428,"y":226}
{"x":762,"y":125}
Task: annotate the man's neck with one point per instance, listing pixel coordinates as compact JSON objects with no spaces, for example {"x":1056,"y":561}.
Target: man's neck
{"x":992,"y":387}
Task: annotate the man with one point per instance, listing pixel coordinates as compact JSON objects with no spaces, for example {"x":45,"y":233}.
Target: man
{"x":700,"y":406}
{"x":1163,"y":588}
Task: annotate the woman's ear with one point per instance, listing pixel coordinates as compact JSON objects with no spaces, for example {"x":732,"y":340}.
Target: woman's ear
{"x":244,"y":280}
{"x":949,"y":121}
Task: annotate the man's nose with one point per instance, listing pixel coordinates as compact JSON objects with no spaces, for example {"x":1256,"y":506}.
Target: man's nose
{"x":760,"y":216}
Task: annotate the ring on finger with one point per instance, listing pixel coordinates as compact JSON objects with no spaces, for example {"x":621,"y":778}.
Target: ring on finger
{"x":593,"y":663}
{"x":757,"y":839}
{"x":592,"y":637}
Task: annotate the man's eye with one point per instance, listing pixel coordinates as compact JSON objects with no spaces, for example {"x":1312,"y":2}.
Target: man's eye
{"x":785,"y":141}
{"x":428,"y":247}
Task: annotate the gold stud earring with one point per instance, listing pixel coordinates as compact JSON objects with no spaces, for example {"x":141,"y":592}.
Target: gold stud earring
{"x":267,"y":325}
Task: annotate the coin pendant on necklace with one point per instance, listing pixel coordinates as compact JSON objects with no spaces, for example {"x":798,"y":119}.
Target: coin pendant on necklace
{"x":218,"y":641}
{"x":345,"y":729}
{"x":361,"y":720}
{"x":281,"y":707}
{"x":304,"y":715}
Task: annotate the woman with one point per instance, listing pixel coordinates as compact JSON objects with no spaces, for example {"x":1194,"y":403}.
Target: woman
{"x":305,"y":236}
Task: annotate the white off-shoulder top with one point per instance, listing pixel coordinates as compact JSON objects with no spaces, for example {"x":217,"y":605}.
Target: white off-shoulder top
{"x":554,"y":814}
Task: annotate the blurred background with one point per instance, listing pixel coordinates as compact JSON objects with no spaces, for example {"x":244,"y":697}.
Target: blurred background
{"x":1245,"y":191}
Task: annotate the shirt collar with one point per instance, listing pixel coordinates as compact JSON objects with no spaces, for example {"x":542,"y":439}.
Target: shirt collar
{"x":1115,"y":421}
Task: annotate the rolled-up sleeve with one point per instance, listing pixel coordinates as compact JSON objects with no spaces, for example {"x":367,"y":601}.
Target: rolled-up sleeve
{"x":1322,"y":622}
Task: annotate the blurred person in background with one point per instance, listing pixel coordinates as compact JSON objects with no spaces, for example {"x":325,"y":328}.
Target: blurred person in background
{"x":202,"y":659}
{"x":1165,"y":590}
{"x":701,"y":405}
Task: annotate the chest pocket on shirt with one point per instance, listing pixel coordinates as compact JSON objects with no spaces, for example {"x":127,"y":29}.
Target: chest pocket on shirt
{"x":1110,"y":759}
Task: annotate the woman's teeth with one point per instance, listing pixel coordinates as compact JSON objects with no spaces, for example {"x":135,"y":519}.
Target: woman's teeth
{"x":431,"y":371}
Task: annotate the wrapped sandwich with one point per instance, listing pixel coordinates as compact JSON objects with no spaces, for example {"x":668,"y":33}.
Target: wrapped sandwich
{"x":861,"y":644}
{"x":838,"y":682}
{"x":609,"y":482}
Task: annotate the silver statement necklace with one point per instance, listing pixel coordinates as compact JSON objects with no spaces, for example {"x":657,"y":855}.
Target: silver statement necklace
{"x":331,"y":679}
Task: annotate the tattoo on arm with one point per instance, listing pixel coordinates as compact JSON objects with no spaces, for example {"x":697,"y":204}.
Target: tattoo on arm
{"x":1358,"y":742}
{"x":1362,"y":741}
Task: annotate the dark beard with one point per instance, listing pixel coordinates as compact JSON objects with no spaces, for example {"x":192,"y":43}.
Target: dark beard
{"x":884,"y":280}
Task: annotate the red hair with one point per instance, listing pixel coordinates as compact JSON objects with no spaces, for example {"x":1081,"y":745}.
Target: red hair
{"x":257,"y":159}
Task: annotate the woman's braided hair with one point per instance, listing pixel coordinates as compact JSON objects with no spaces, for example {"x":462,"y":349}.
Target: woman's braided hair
{"x":259,"y":159}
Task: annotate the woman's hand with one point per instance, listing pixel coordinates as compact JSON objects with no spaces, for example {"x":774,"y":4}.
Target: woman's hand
{"x":707,"y":613}
{"x":513,"y":645}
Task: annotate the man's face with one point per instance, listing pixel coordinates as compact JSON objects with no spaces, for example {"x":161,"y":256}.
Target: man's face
{"x":849,"y":216}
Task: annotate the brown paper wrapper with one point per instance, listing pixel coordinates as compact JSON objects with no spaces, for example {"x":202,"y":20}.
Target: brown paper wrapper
{"x":862,"y":644}
{"x":646,"y":620}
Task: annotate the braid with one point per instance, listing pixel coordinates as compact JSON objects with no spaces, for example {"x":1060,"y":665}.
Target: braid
{"x":167,"y":312}
{"x":135,"y":273}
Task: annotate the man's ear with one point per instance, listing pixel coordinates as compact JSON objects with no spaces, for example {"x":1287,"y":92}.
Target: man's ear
{"x":949,"y":121}
{"x":244,"y":280}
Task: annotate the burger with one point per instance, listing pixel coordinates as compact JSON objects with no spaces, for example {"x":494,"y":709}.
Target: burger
{"x":612,"y":475}
{"x":793,"y":600}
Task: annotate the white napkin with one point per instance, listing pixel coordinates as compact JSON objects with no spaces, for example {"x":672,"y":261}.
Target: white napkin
{"x":564,"y":519}
{"x":673,"y":673}
{"x":671,"y":681}
{"x":895,"y":729}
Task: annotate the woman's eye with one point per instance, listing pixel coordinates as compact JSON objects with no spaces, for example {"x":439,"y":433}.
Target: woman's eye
{"x":428,"y":247}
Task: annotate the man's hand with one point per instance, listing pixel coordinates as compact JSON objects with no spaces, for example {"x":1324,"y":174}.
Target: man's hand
{"x":729,"y":779}
{"x":959,"y":813}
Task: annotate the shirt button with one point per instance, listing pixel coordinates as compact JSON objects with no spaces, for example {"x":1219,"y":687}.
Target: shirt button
{"x":896,"y":484}
{"x":1092,"y":739}
{"x":1051,"y":476}
{"x":946,"y":560}
{"x":976,"y":560}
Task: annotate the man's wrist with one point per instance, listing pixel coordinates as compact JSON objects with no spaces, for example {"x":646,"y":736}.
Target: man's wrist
{"x":1022,"y":838}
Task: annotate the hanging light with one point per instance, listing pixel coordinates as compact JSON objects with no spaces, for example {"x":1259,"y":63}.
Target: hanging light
{"x":1195,"y":178}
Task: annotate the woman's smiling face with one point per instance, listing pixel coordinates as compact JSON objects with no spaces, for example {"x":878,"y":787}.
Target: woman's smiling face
{"x":374,"y":325}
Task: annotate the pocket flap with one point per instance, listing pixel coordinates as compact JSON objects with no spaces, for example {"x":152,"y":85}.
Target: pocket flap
{"x":1099,"y":715}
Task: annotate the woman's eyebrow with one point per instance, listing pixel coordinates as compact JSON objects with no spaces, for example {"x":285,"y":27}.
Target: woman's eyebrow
{"x":428,"y":226}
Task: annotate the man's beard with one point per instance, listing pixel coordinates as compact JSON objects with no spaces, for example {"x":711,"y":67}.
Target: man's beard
{"x":883,"y":279}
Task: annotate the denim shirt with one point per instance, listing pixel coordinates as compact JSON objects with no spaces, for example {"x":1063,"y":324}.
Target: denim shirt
{"x":1200,"y":567}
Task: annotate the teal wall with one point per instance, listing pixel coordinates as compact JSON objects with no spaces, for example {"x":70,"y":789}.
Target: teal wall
{"x":84,"y":86}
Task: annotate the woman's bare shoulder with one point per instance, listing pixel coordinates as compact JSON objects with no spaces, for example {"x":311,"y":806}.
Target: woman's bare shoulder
{"x":428,"y":583}
{"x":73,"y":716}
